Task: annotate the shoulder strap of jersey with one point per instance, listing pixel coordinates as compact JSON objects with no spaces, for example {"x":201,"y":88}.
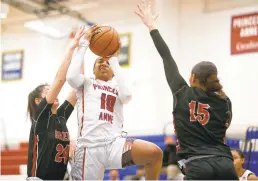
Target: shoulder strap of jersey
{"x":248,"y":172}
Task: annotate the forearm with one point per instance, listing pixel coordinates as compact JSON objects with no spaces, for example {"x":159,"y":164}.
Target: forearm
{"x":74,"y":75}
{"x":60,"y":78}
{"x":174,"y":79}
{"x":62,"y":70}
{"x":161,"y":46}
{"x":124,"y":93}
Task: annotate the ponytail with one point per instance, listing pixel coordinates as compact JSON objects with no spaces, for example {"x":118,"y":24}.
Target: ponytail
{"x":206,"y":73}
{"x":212,"y":85}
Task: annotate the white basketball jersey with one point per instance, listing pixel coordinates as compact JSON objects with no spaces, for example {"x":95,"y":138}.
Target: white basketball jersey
{"x":245,"y":175}
{"x":99,"y":112}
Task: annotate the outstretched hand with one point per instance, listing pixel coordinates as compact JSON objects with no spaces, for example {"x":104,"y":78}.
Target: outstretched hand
{"x":90,"y":32}
{"x":76,"y":36}
{"x":144,"y":11}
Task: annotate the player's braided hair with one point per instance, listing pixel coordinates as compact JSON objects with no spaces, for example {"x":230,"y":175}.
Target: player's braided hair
{"x":212,"y":83}
{"x":206,"y":73}
{"x":32,"y":106}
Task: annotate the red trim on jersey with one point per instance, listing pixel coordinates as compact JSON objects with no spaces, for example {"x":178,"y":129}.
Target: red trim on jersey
{"x":83,"y":162}
{"x":175,"y":132}
{"x":34,"y":159}
{"x":82,"y":112}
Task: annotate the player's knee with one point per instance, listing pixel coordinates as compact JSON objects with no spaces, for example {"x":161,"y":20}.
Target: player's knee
{"x":146,"y":153}
{"x":157,"y":153}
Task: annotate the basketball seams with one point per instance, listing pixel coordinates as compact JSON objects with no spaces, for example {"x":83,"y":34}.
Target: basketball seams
{"x":117,"y":43}
{"x":108,"y":43}
{"x":92,"y":43}
{"x":118,"y":40}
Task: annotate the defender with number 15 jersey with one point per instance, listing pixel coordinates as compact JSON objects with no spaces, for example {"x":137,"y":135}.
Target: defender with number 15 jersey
{"x":201,"y":122}
{"x":201,"y":118}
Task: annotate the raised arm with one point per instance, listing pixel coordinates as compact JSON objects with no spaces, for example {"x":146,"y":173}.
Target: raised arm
{"x":75,"y":78}
{"x":66,"y":109}
{"x":174,"y":79}
{"x":60,"y":78}
{"x":124,"y":92}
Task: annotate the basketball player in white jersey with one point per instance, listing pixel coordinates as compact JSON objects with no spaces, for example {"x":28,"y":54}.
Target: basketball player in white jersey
{"x":239,"y":160}
{"x":100,"y":102}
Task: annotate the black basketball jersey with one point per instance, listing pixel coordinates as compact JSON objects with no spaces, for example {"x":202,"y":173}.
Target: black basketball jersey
{"x":49,"y":142}
{"x":200,"y":123}
{"x":200,"y":119}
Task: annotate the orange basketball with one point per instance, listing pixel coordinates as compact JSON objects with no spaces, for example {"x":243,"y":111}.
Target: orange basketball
{"x":105,"y":41}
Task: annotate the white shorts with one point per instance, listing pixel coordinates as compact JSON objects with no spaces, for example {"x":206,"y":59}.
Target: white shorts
{"x":90,"y":163}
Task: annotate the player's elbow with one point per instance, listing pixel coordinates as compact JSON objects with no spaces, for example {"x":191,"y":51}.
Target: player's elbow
{"x":72,"y":82}
{"x":126,"y":98}
{"x":70,"y":79}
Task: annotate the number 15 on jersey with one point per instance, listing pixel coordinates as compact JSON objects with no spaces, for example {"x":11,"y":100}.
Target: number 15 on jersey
{"x":199,"y":112}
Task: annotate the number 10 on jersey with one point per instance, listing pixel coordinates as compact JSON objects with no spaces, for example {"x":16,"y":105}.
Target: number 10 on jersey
{"x":108,"y":102}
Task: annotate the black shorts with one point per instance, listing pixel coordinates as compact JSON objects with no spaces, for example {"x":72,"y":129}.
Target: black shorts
{"x":212,"y":168}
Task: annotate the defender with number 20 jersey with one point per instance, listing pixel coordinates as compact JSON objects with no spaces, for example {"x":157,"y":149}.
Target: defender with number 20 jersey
{"x":49,"y":142}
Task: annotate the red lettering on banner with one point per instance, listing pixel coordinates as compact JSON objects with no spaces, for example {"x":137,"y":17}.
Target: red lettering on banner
{"x":244,"y":33}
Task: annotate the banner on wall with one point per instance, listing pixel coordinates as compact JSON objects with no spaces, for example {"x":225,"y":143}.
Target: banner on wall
{"x":125,"y":51}
{"x":12,"y":65}
{"x":244,"y":33}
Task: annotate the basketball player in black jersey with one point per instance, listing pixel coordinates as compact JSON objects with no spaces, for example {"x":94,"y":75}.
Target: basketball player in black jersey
{"x":202,"y":113}
{"x":49,"y":141}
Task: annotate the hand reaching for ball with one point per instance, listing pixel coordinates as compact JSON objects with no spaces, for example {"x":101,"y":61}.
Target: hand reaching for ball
{"x":90,"y":32}
{"x":77,"y":34}
{"x":76,"y":37}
